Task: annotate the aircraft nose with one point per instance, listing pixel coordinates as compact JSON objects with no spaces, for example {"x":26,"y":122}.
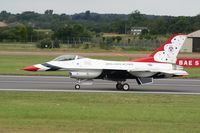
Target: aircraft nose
{"x":31,"y":68}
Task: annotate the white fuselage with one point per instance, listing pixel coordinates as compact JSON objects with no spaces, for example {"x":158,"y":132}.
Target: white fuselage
{"x":138,"y":69}
{"x":90,"y":64}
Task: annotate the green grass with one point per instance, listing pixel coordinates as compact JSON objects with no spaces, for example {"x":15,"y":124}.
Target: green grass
{"x":193,"y":72}
{"x":30,"y":112}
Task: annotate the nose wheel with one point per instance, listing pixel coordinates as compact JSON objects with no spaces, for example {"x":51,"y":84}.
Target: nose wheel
{"x":77,"y":87}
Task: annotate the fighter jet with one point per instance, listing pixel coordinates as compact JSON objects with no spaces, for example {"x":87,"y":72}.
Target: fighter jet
{"x":160,"y":64}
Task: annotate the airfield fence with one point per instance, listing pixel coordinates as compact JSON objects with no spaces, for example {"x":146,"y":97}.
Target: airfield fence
{"x":78,"y":41}
{"x":132,"y":43}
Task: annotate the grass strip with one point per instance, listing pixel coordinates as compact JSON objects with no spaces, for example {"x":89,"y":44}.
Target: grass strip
{"x":30,"y":112}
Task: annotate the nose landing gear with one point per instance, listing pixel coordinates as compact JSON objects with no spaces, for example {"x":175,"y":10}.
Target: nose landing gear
{"x":77,"y":87}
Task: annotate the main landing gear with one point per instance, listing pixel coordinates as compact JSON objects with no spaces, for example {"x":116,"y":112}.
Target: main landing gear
{"x":121,"y":86}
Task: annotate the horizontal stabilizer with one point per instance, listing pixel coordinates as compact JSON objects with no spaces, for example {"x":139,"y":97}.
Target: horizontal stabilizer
{"x":176,"y":72}
{"x":142,"y":81}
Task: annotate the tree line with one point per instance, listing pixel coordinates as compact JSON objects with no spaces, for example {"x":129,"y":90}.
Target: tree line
{"x":30,"y":26}
{"x":94,"y":22}
{"x":26,"y":33}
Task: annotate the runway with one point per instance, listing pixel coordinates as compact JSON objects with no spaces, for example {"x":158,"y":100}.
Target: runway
{"x":65,"y":84}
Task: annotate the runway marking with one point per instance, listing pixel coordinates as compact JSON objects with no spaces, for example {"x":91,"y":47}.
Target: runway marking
{"x":35,"y":82}
{"x":50,"y":77}
{"x":97,"y":91}
{"x":49,"y":82}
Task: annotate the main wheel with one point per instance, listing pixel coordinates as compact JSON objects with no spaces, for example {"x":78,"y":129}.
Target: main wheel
{"x":125,"y":87}
{"x":77,"y":86}
{"x":119,"y":86}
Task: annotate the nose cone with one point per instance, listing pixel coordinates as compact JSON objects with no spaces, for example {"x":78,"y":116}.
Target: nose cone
{"x":30,"y":68}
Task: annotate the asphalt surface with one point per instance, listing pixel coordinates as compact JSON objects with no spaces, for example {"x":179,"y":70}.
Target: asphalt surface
{"x":65,"y":84}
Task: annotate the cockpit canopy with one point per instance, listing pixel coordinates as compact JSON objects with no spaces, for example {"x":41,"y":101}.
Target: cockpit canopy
{"x":67,"y":58}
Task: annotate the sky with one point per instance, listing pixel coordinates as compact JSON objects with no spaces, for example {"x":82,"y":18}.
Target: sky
{"x":150,"y":7}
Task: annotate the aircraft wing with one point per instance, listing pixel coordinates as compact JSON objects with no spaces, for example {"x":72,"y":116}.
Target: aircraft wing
{"x":176,"y":72}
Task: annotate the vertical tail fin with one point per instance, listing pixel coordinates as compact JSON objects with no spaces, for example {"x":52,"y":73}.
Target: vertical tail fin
{"x":167,"y":52}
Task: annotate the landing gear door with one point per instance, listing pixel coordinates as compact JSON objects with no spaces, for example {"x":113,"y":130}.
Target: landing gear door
{"x":142,"y":81}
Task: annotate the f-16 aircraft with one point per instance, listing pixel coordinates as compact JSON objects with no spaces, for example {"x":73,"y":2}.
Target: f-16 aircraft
{"x":160,"y":64}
